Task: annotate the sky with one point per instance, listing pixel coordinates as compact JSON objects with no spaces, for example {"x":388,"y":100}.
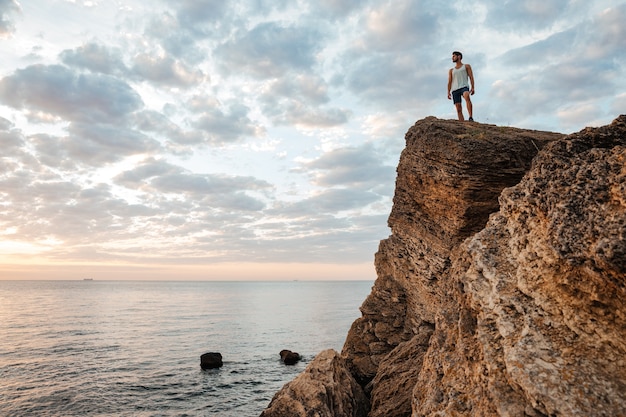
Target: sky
{"x":258,"y":139}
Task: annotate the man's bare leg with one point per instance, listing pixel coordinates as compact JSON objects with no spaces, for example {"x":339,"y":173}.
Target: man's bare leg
{"x":459,"y":111}
{"x":468,"y":102}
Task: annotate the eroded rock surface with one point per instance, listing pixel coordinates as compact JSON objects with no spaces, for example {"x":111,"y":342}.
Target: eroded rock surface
{"x":547,"y":277}
{"x":449,"y":178}
{"x":325,"y":389}
{"x":502,"y":289}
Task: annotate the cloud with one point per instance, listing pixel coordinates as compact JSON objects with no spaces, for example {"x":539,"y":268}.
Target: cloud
{"x":63,"y":211}
{"x":202,"y":185}
{"x":606,"y":35}
{"x":269,"y":50}
{"x":95,"y":58}
{"x":225,"y":125}
{"x":11,"y":139}
{"x":192,"y":13}
{"x":337,"y":9}
{"x":298,"y":113}
{"x":556,"y":45}
{"x":396,"y":66}
{"x":594,"y":41}
{"x":392,"y":126}
{"x":30,"y":202}
{"x":326,"y":239}
{"x":338,"y":199}
{"x":303,"y":87}
{"x":175,"y":39}
{"x":400,"y":29}
{"x":149,"y":168}
{"x":570,"y":116}
{"x":313,"y":237}
{"x":351,"y":181}
{"x":105,"y":143}
{"x":176,"y":212}
{"x":90,"y":145}
{"x":618,"y":106}
{"x":545,"y":91}
{"x":298,"y":101}
{"x":58,"y":91}
{"x":412,"y":25}
{"x":212,"y":191}
{"x":394,"y":81}
{"x":574,"y":67}
{"x":52,"y":152}
{"x":7,"y":9}
{"x":159,"y":125}
{"x":351,"y":167}
{"x":206,"y":121}
{"x":16,"y":162}
{"x":524,"y":15}
{"x":165,"y":70}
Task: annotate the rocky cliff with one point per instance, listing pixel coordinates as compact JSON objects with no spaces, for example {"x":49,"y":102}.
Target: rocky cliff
{"x":502,"y":289}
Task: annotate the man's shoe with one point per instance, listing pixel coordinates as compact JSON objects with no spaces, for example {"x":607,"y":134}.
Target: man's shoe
{"x":471,"y":119}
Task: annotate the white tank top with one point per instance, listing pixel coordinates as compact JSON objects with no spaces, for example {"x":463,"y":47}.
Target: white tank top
{"x":459,"y":78}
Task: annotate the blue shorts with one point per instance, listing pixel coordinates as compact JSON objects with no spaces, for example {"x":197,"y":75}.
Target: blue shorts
{"x":457,"y":94}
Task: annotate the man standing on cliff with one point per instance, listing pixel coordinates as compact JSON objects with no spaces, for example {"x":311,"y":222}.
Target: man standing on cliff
{"x":459,"y":85}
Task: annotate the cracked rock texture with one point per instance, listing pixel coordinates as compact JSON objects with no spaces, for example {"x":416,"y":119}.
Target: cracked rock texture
{"x":324,"y":389}
{"x":502,"y":288}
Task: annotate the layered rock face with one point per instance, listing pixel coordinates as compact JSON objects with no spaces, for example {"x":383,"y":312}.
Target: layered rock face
{"x":502,"y":289}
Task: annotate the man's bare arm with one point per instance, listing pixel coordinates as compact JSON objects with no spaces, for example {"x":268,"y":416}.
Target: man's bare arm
{"x":470,"y":74}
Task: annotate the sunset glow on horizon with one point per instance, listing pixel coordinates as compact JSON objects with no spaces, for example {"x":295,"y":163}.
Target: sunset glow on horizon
{"x":209,"y":272}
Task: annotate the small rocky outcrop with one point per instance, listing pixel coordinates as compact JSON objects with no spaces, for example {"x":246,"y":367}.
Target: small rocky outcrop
{"x":324,"y":389}
{"x":502,"y":288}
{"x":211,"y":360}
{"x":289,"y":358}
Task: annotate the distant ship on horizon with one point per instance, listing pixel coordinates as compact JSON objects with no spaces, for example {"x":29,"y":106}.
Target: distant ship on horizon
{"x":87,"y":279}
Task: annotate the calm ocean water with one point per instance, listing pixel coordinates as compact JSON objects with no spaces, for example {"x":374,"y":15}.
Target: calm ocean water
{"x":116,"y":348}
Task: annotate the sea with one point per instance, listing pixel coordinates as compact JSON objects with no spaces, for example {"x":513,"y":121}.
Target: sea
{"x":132,"y":348}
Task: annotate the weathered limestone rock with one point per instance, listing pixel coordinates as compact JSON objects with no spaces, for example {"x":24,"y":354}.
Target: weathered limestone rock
{"x":449,"y":177}
{"x":325,"y":389}
{"x":548,"y":278}
{"x":540,"y":325}
{"x":397,"y":376}
{"x":502,"y":289}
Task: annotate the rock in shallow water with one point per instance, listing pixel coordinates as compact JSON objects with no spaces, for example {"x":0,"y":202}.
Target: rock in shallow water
{"x":289,"y":357}
{"x":211,"y":360}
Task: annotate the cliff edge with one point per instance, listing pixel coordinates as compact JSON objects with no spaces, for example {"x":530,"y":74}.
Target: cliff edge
{"x":502,"y":289}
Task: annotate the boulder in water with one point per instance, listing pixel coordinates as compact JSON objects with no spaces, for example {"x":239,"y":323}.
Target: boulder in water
{"x":211,"y":360}
{"x":289,"y":357}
